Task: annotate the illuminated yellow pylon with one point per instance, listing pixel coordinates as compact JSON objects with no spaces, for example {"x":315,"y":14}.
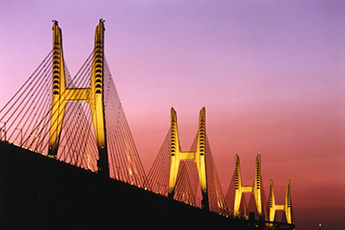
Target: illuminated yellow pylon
{"x":59,"y":86}
{"x":273,"y":207}
{"x":93,"y":95}
{"x":198,"y":156}
{"x":255,"y":189}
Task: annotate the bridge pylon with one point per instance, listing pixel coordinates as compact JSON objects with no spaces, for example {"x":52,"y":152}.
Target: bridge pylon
{"x":273,"y":207}
{"x":256,"y":189}
{"x":198,"y":156}
{"x":93,"y":95}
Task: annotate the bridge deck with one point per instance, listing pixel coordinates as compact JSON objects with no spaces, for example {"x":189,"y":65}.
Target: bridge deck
{"x":37,"y":192}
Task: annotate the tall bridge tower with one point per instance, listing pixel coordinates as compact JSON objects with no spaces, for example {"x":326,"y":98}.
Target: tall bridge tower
{"x":198,"y":156}
{"x":93,"y":95}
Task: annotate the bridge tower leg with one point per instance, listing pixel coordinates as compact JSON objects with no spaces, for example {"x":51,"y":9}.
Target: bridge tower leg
{"x":273,"y":207}
{"x":198,"y":156}
{"x":174,"y":153}
{"x":93,"y":95}
{"x":96,"y":100}
{"x":200,"y":159}
{"x":256,"y":189}
{"x":59,"y":85}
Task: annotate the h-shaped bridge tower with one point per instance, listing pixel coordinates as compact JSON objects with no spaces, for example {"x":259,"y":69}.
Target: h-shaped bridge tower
{"x":273,"y":207}
{"x":256,"y":189}
{"x":93,"y":95}
{"x":198,"y":156}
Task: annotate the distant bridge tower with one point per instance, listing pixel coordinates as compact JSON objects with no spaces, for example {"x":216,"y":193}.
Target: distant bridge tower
{"x":198,"y":156}
{"x":273,"y":207}
{"x":93,"y":95}
{"x":239,"y":189}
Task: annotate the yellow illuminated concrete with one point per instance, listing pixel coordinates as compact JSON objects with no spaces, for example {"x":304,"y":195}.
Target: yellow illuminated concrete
{"x":273,"y":207}
{"x":92,"y":95}
{"x":176,"y":155}
{"x":257,"y":186}
{"x":58,"y":103}
{"x":96,"y":93}
{"x":255,"y":189}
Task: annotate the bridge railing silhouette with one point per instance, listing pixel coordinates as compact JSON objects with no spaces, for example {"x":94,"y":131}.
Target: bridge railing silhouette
{"x":186,"y":176}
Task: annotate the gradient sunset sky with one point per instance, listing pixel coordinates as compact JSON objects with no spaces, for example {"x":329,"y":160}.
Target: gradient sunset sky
{"x":271,"y":75}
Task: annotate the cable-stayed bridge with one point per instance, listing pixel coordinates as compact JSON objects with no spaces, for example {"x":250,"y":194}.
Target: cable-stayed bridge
{"x":80,"y":121}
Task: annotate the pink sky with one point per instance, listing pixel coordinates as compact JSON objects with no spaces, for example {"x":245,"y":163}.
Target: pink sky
{"x":270,"y":73}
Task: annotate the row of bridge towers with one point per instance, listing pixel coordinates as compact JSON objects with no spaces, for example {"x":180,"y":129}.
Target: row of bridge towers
{"x":234,"y":197}
{"x":93,"y":95}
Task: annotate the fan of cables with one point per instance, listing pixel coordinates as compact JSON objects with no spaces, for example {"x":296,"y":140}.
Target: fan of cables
{"x":25,"y":121}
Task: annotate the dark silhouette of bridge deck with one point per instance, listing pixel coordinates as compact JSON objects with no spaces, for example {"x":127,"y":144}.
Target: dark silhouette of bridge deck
{"x":41,"y":193}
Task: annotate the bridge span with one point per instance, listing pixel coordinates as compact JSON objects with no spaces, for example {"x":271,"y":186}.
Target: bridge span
{"x":68,"y":157}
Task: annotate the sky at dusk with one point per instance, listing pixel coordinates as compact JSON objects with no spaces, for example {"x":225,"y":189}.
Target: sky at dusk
{"x":271,"y":75}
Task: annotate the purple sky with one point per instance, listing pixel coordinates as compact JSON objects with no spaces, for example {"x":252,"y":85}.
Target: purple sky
{"x":270,"y":73}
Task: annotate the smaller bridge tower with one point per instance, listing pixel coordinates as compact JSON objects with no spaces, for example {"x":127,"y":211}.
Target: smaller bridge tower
{"x":198,"y":156}
{"x":273,"y":207}
{"x":256,"y":189}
